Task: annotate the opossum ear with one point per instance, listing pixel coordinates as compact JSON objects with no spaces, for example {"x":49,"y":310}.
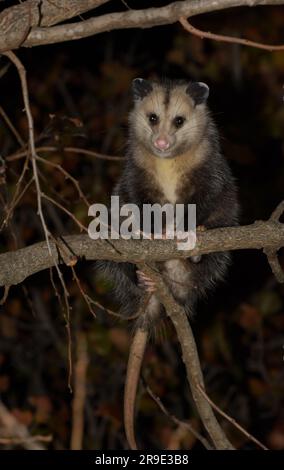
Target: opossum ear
{"x":141,"y":88}
{"x":198,"y":91}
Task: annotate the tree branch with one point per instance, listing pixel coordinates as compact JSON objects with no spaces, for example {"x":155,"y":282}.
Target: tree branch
{"x":230,"y":39}
{"x":16,"y":266}
{"x":18,"y":21}
{"x":184,"y":424}
{"x":190,"y":358}
{"x":80,"y":387}
{"x":231,"y":420}
{"x":14,"y":20}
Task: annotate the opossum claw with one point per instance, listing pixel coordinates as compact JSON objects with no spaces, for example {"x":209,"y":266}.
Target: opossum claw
{"x":144,"y":282}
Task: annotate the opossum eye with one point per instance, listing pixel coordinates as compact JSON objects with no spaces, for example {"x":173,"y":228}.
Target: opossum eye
{"x":178,"y":121}
{"x":153,"y":119}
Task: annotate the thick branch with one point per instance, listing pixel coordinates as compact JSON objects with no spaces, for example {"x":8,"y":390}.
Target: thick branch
{"x":17,"y":21}
{"x":15,"y":266}
{"x":14,"y":31}
{"x":191,"y":360}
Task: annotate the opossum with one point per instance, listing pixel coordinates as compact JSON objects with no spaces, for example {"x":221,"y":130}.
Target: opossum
{"x":173,"y":156}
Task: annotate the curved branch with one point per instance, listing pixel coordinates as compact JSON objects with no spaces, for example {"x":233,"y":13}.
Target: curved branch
{"x":231,"y":420}
{"x":191,"y":360}
{"x":14,"y":29}
{"x":183,"y":424}
{"x":78,"y":150}
{"x":16,"y":266}
{"x":17,"y":21}
{"x":229,"y":39}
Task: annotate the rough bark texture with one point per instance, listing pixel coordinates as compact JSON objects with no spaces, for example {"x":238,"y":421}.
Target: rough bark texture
{"x":31,"y":22}
{"x":18,"y":21}
{"x":17,"y":265}
{"x":191,"y":360}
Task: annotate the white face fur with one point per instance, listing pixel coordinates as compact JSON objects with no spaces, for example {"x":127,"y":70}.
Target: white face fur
{"x":168,"y":120}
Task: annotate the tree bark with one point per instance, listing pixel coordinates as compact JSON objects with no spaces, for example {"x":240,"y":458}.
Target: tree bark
{"x":16,"y":266}
{"x":31,"y":23}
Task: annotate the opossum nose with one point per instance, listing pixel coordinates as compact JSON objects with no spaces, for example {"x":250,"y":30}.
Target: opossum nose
{"x":162,"y":143}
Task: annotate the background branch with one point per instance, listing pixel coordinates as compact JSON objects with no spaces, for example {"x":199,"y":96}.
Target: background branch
{"x":16,"y":431}
{"x":80,"y":387}
{"x":230,"y":39}
{"x":231,"y":420}
{"x":184,"y":424}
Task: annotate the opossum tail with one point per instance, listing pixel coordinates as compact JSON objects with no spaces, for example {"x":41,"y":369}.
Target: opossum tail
{"x":134,"y":365}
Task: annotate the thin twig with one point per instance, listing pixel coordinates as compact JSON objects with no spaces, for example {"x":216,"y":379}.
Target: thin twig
{"x":80,"y":386}
{"x":67,"y":175}
{"x":230,"y":419}
{"x":83,"y":293}
{"x":175,"y":420}
{"x":57,"y":204}
{"x":12,"y":127}
{"x":33,"y":156}
{"x":17,"y":197}
{"x":89,"y":301}
{"x":90,"y":153}
{"x":271,"y":253}
{"x":276,"y":214}
{"x":273,"y":260}
{"x":5,"y":295}
{"x":230,"y":39}
{"x":32,"y":150}
{"x":23,"y":440}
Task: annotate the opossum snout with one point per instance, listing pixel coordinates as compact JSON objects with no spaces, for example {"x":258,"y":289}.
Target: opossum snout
{"x":162,"y":143}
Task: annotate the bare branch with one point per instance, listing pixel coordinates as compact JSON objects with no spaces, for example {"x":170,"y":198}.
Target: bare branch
{"x":60,"y":206}
{"x":190,"y":358}
{"x":14,"y":20}
{"x":22,"y":75}
{"x":33,"y":157}
{"x":272,"y":255}
{"x":230,"y":39}
{"x":174,"y":419}
{"x":11,"y":127}
{"x":275,"y":265}
{"x":24,"y":440}
{"x":16,"y":266}
{"x":85,"y":296}
{"x":231,"y":420}
{"x":89,"y":153}
{"x":5,"y":295}
{"x":80,"y":386}
{"x":276,"y":214}
{"x":17,"y":21}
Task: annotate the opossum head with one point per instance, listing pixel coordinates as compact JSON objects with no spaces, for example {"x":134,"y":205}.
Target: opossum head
{"x":168,"y":118}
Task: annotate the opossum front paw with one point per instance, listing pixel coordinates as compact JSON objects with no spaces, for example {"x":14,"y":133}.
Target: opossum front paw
{"x":144,"y":282}
{"x":201,"y":228}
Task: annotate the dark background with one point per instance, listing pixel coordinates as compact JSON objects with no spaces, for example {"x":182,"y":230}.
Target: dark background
{"x":240,"y":329}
